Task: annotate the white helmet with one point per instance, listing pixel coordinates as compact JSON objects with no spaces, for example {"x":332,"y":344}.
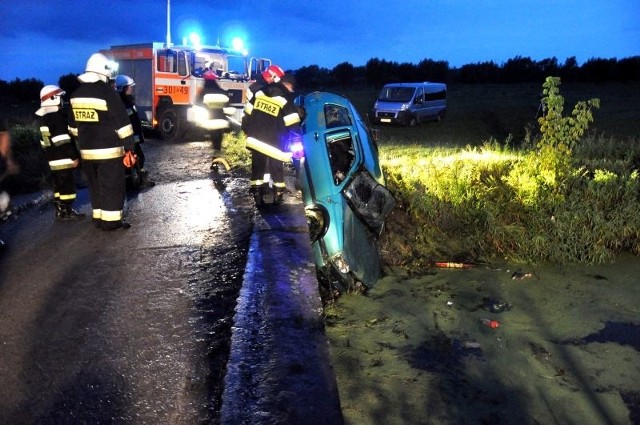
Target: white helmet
{"x":123,"y":81}
{"x":51,"y":95}
{"x":99,"y":67}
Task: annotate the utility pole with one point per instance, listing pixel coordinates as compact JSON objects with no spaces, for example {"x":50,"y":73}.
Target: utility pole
{"x":168,"y":23}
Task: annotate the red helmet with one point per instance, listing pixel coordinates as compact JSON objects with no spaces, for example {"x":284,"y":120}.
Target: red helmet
{"x":272,"y":74}
{"x":210,"y":75}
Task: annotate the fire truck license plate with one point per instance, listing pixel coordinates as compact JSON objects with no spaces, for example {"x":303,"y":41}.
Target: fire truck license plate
{"x":173,"y":89}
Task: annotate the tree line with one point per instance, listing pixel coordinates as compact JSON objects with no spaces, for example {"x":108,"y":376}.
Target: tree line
{"x":377,"y":72}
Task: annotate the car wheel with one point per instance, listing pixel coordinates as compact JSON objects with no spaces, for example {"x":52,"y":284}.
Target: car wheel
{"x":317,"y":220}
{"x":168,"y":124}
{"x":413,"y":122}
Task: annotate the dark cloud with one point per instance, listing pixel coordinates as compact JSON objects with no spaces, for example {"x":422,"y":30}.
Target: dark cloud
{"x":294,"y":33}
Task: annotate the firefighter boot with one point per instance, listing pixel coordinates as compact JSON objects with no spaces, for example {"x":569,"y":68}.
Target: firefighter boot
{"x":278,"y":195}
{"x":256,"y":191}
{"x":109,"y":226}
{"x":217,"y":153}
{"x":59,"y":212}
{"x":67,"y":213}
{"x":144,"y":179}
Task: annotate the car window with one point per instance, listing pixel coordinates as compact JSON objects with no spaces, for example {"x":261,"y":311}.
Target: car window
{"x":336,"y":116}
{"x":341,"y":153}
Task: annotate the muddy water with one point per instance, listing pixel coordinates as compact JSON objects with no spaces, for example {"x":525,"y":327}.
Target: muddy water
{"x":564,"y":346}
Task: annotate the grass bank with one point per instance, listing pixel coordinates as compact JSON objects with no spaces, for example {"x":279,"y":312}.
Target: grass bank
{"x":475,"y":187}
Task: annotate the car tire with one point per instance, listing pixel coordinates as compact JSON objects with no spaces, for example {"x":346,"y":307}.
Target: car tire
{"x":413,"y":122}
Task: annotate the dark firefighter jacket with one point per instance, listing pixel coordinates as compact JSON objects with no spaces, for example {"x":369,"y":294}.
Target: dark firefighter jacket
{"x":132,"y":112}
{"x":216,"y":107}
{"x":59,"y":148}
{"x":100,"y":121}
{"x":270,"y":121}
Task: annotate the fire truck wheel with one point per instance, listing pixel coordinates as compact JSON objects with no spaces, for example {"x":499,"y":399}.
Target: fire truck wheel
{"x":168,"y":124}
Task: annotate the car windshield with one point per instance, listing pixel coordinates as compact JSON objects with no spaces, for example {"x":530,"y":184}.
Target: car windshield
{"x":396,"y":94}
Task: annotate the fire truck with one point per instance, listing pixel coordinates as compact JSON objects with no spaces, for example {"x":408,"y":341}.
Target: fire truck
{"x":169,"y":80}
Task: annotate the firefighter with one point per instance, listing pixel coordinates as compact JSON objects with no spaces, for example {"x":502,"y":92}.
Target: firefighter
{"x":215,"y":98}
{"x":7,"y":166}
{"x":125,"y":87}
{"x":271,"y":120}
{"x":272,"y":74}
{"x":60,"y":151}
{"x":102,"y":126}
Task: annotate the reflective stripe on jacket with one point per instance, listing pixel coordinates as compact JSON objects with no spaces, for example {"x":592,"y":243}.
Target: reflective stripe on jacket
{"x":101,"y":120}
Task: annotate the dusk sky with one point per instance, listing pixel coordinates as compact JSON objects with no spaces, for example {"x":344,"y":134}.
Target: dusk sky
{"x":49,"y":38}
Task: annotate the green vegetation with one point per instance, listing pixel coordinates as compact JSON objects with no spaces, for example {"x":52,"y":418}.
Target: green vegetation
{"x":491,"y":181}
{"x":26,"y":151}
{"x":563,"y":194}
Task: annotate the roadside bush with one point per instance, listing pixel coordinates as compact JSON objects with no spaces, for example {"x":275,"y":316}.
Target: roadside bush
{"x":26,"y":151}
{"x":569,"y":198}
{"x":234,"y":145}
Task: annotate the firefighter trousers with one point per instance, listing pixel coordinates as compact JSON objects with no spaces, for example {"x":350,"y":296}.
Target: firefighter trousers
{"x":64,"y":185}
{"x":139,"y":154}
{"x":106,"y":180}
{"x":261,"y":164}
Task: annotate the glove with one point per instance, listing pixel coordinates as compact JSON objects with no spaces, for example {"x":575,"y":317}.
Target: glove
{"x":129,"y":159}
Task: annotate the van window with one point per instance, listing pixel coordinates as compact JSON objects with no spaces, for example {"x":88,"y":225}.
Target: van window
{"x":438,"y":95}
{"x":419,"y":96}
{"x":396,"y":94}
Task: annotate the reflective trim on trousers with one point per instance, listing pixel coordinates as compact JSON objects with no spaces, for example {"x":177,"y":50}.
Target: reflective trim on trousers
{"x":67,"y":197}
{"x":61,"y":164}
{"x":97,"y":154}
{"x":111,"y":215}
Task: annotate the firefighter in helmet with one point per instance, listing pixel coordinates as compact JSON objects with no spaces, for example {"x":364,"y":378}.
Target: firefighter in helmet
{"x":60,"y":150}
{"x":7,"y":166}
{"x":272,"y":74}
{"x":100,"y":122}
{"x":215,"y":98}
{"x":125,"y":87}
{"x":270,"y":122}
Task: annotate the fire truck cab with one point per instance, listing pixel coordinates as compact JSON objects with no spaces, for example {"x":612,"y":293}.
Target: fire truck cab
{"x":169,"y":80}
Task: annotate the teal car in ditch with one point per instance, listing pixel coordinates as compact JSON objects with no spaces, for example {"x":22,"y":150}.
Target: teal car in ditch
{"x":343,"y":189}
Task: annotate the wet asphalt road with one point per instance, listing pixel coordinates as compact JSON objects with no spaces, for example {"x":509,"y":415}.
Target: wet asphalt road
{"x":131,"y":326}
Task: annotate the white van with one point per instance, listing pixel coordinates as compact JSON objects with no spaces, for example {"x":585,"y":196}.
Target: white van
{"x":410,"y":103}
